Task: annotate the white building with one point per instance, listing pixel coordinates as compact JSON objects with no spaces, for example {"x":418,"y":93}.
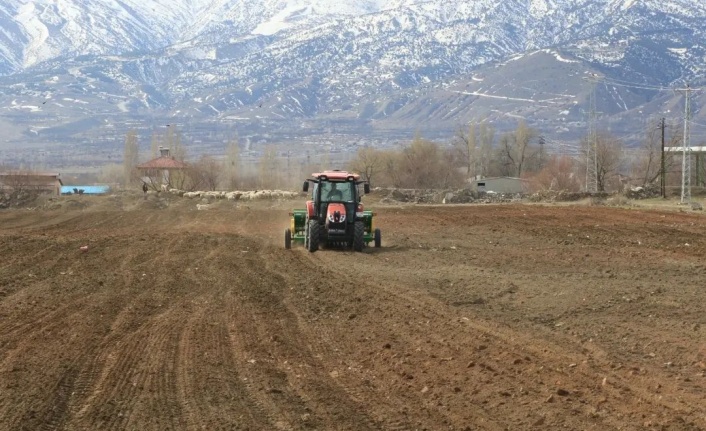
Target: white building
{"x":510,"y":185}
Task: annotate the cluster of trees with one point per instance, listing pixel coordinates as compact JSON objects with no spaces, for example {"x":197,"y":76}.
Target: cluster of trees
{"x":476,"y":151}
{"x":207,"y":172}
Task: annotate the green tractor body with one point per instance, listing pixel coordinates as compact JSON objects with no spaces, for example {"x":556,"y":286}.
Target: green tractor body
{"x":334,"y":216}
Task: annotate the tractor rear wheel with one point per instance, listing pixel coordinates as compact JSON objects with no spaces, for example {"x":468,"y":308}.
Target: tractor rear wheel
{"x":287,"y":239}
{"x":313,"y":236}
{"x":377,"y":238}
{"x":358,"y":236}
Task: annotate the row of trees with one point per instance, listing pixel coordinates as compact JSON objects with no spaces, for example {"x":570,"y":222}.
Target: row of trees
{"x":207,"y":172}
{"x":476,"y":151}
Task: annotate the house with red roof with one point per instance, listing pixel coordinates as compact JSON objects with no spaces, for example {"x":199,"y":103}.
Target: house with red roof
{"x":158,"y":172}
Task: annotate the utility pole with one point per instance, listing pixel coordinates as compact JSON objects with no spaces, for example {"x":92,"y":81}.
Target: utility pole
{"x":542,"y":142}
{"x":592,"y":144}
{"x":662,"y":173}
{"x":686,"y":153}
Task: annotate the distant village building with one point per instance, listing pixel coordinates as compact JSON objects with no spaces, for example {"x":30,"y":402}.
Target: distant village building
{"x":42,"y":182}
{"x":156,"y":172}
{"x":509,"y":185}
{"x":85,"y":190}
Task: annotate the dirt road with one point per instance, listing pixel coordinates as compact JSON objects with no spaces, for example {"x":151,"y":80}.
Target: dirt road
{"x":480,"y":317}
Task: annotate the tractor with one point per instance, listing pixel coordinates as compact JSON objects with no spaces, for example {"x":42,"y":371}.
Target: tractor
{"x":334,"y":217}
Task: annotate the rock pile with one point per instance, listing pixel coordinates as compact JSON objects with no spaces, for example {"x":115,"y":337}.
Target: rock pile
{"x":643,"y":192}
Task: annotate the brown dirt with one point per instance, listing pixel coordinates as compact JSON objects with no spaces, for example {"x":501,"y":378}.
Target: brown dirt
{"x":481,"y":317}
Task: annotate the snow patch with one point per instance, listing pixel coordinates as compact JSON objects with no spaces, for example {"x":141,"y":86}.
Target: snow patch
{"x":278,"y":22}
{"x":540,"y":8}
{"x":30,"y":108}
{"x":559,"y":57}
{"x":627,"y":4}
{"x":83,"y":102}
{"x":36,"y":32}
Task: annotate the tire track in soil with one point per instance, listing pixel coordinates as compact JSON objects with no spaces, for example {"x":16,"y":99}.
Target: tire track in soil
{"x":135,"y":373}
{"x":51,"y":403}
{"x":295,"y":389}
{"x":325,"y":338}
{"x":394,"y":409}
{"x":275,"y":306}
{"x":137,"y":386}
{"x":547,"y":352}
{"x":211,"y":391}
{"x":501,"y":336}
{"x":53,"y":417}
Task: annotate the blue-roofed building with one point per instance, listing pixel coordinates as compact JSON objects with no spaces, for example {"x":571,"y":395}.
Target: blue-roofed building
{"x":86,"y":190}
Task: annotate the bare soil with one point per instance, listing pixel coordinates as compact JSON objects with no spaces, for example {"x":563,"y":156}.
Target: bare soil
{"x":477,"y":317}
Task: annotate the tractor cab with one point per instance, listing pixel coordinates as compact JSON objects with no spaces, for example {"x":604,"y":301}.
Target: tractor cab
{"x":329,"y":195}
{"x":334,"y":215}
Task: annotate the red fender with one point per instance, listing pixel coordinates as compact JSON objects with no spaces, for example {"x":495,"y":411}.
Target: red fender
{"x":310,"y":208}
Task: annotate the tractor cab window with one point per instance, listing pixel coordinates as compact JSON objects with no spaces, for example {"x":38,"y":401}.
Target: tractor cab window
{"x":337,"y":191}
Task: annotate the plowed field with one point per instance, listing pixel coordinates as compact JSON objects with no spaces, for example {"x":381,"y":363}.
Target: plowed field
{"x":478,"y":317}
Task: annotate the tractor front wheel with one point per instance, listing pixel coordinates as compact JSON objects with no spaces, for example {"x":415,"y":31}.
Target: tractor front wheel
{"x":287,"y":239}
{"x":313,"y":236}
{"x":358,"y":236}
{"x":377,"y":238}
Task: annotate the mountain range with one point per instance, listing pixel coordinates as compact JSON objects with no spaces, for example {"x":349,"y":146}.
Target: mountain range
{"x":76,"y":75}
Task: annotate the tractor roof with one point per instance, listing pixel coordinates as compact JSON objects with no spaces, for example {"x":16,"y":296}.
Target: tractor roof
{"x":336,"y":175}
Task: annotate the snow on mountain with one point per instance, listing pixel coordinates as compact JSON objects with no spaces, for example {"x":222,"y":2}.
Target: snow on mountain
{"x":367,"y":65}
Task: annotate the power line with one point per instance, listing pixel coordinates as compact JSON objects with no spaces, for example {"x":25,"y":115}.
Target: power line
{"x":620,"y":83}
{"x":639,"y":87}
{"x":697,"y":124}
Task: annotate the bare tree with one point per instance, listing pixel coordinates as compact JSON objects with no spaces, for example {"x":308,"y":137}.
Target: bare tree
{"x":423,"y":164}
{"x":650,"y":157}
{"x":232,"y":164}
{"x":368,"y":162}
{"x":609,"y":158}
{"x":474,"y":147}
{"x":558,"y":174}
{"x":465,"y":143}
{"x":155,"y":143}
{"x":516,"y":150}
{"x":390,"y":172}
{"x":269,"y":167}
{"x":648,"y":164}
{"x":486,"y":138}
{"x":181,"y":179}
{"x":16,"y":180}
{"x":504,"y":160}
{"x":206,"y":173}
{"x":130,"y":158}
{"x":174,"y":142}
